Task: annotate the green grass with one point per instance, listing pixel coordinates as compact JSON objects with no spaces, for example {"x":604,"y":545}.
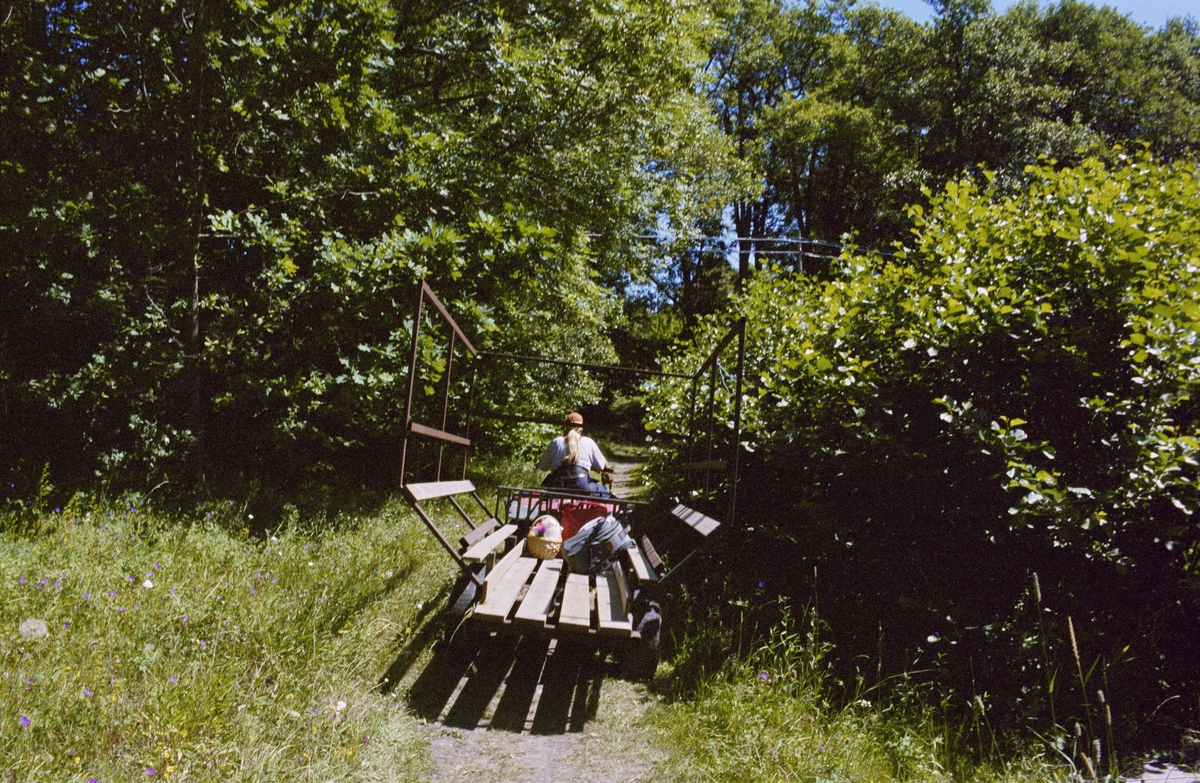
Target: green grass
{"x":264,"y":657}
{"x":187,"y":647}
{"x":765,"y":716}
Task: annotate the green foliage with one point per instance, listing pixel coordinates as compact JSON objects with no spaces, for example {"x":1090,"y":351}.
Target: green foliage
{"x":216,"y":220}
{"x":1011,"y":394}
{"x":845,"y":112}
{"x":186,"y":647}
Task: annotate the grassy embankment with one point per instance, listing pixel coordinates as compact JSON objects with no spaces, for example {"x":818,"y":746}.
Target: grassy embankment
{"x":776,"y":713}
{"x":187,"y":648}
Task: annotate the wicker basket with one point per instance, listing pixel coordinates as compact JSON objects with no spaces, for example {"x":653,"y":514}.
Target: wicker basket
{"x":541,"y":547}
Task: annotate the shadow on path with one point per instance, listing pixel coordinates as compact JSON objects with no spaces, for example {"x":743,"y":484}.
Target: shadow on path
{"x":508,"y":682}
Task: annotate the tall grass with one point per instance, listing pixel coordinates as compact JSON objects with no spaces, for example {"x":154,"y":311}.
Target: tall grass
{"x":188,"y":649}
{"x":766,"y":714}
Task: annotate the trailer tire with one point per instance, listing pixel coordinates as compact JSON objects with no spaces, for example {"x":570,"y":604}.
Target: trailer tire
{"x":464,"y":591}
{"x":643,"y":655}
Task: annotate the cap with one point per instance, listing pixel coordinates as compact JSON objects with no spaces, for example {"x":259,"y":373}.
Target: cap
{"x":575,"y":418}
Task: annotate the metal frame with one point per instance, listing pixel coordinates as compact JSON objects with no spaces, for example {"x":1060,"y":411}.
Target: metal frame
{"x":424,"y":292}
{"x":703,"y":459}
{"x":702,"y":445}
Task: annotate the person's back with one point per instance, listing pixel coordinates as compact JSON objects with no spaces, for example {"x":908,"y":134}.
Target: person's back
{"x":570,"y":457}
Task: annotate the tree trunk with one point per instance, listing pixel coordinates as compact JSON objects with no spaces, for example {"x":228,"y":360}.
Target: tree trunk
{"x":743,"y":224}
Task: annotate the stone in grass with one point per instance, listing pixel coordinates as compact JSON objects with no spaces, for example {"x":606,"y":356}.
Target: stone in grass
{"x":33,"y":629}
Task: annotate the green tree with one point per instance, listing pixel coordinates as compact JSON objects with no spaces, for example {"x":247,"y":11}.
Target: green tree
{"x":219,"y":217}
{"x":846,"y":113}
{"x":767,"y":51}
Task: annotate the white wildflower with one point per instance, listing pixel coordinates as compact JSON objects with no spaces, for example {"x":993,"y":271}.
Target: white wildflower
{"x":34,"y":629}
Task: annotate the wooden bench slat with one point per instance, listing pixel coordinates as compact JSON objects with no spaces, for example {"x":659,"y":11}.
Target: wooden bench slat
{"x":650,"y":554}
{"x":641,"y":565}
{"x":536,"y":605}
{"x":430,"y":432}
{"x":622,"y":587}
{"x":614,"y":618}
{"x":480,"y":550}
{"x":577,"y":604}
{"x":501,"y":592}
{"x":484,"y":528}
{"x":438,"y":489}
{"x":694,"y":519}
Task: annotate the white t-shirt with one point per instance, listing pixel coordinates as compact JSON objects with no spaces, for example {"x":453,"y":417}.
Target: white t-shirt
{"x":589,"y":454}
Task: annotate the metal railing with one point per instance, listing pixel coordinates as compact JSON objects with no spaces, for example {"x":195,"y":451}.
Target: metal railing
{"x":704,"y":453}
{"x":440,"y":433}
{"x":707,"y":457}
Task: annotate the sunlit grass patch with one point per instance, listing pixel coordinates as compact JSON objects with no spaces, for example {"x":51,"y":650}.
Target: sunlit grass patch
{"x":765,"y":716}
{"x":184,"y":650}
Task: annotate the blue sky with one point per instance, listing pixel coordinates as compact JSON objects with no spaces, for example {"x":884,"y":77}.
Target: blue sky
{"x":1153,"y":13}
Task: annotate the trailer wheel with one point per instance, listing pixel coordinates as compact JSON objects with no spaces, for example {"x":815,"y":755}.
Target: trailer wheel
{"x":464,"y":591}
{"x":643,"y":653}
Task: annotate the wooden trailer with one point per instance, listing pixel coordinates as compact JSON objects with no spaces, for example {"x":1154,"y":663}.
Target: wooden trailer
{"x":503,"y":585}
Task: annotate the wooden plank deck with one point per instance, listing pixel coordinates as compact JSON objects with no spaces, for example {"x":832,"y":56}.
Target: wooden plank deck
{"x":612,"y":604}
{"x":501,"y":594}
{"x":539,"y":598}
{"x":577,"y":604}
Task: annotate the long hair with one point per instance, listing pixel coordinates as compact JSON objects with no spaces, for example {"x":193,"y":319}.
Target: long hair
{"x":571,"y":439}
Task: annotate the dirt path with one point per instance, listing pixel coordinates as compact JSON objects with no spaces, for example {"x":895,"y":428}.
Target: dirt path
{"x":504,"y":708}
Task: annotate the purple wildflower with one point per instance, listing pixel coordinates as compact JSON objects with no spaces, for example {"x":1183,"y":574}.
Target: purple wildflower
{"x":120,"y":608}
{"x":764,"y":676}
{"x":21,"y":580}
{"x":203,"y":643}
{"x":24,"y":721}
{"x":185,"y":619}
{"x":172,"y":680}
{"x":150,"y":771}
{"x":253,"y":591}
{"x":136,"y":607}
{"x":87,"y":692}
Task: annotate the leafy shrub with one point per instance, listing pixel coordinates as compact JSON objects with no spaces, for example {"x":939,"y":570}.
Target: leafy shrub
{"x":1010,"y":396}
